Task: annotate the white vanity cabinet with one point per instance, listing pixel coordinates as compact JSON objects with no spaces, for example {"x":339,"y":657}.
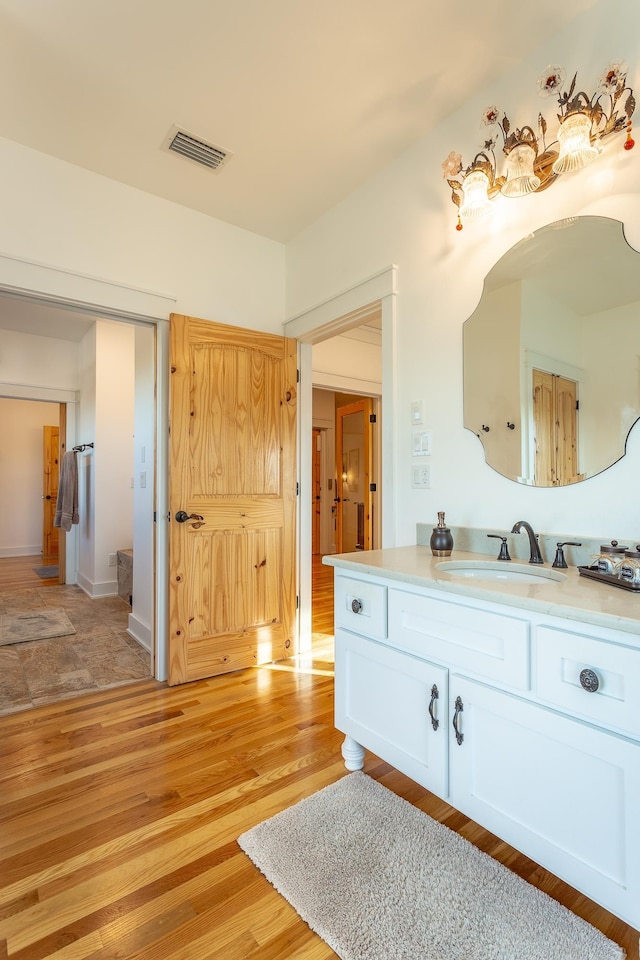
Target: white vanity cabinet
{"x":563,"y":792}
{"x":395,"y":705}
{"x":527,"y":723}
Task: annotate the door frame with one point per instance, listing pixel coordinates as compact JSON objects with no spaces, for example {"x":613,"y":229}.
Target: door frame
{"x":107,"y":301}
{"x":373,"y":297}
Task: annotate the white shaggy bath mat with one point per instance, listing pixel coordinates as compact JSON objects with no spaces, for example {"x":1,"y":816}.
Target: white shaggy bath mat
{"x":378,"y":879}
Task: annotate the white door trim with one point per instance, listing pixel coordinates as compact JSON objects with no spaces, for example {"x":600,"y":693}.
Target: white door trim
{"x":375,"y":296}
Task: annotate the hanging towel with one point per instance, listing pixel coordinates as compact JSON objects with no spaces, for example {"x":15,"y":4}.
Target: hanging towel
{"x":67,"y":502}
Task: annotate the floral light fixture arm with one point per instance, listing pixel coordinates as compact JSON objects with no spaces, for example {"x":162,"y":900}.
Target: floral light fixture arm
{"x":531,"y":164}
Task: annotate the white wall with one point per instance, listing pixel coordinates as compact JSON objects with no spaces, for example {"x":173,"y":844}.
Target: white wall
{"x":141,"y":616}
{"x":38,"y":361}
{"x":492,"y":365}
{"x":21,"y":464}
{"x":106,"y":472}
{"x":114,"y":464}
{"x":86,"y":433}
{"x":405,"y":216}
{"x":66,"y":217}
{"x":348,"y":364}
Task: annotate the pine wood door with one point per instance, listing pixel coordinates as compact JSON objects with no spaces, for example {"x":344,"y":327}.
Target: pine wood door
{"x":316,"y":488}
{"x":556,"y":429}
{"x":354,"y":464}
{"x":232,"y":591}
{"x":50,"y":476}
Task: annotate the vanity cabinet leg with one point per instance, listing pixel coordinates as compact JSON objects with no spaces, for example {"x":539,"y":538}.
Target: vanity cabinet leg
{"x":353,"y":754}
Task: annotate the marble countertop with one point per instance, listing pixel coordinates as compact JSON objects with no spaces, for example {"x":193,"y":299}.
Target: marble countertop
{"x":575,"y":598}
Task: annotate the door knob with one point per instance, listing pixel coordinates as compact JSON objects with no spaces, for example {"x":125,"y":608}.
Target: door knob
{"x":182,"y":516}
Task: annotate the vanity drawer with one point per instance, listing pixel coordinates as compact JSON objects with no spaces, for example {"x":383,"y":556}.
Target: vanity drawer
{"x":484,"y":643}
{"x":361,"y":606}
{"x":560,"y":659}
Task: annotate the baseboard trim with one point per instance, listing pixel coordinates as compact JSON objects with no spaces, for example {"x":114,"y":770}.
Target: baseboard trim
{"x":34,"y":551}
{"x":108,"y":588}
{"x":139,"y":632}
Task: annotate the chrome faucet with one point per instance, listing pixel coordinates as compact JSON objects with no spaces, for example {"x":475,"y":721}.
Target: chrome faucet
{"x":535,"y":555}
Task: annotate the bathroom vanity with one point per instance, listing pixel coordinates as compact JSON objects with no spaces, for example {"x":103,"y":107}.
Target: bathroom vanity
{"x":516,"y":700}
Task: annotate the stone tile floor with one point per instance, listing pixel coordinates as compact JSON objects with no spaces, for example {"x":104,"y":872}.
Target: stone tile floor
{"x":100,"y":654}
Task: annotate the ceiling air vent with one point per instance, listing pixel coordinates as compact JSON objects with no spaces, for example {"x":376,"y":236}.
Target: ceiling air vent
{"x":206,"y":154}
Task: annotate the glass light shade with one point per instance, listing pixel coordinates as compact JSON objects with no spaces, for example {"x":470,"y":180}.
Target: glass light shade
{"x":576,"y":149}
{"x":521,"y":179}
{"x":475,"y":189}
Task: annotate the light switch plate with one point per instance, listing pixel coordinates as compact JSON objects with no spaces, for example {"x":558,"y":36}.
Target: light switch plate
{"x":416,"y":412}
{"x":420,"y":443}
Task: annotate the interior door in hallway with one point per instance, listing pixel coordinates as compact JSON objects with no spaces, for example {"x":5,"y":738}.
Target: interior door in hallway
{"x":232,"y":591}
{"x":50,"y":476}
{"x":316,"y":490}
{"x":354,"y":524}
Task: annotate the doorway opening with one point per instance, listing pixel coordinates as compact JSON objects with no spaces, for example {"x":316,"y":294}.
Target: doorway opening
{"x":372,"y":300}
{"x":29,"y":489}
{"x":48,"y":342}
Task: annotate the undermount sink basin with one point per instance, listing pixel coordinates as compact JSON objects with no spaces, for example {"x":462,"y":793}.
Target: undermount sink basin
{"x":503,"y":571}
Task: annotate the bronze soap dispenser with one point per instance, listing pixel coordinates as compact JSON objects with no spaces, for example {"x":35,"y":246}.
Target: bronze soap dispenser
{"x":441,"y":539}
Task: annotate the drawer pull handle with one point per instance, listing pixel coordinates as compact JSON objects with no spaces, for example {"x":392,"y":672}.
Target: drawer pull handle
{"x":458,"y":711}
{"x":356,"y":605}
{"x":435,"y":723}
{"x":589,"y":680}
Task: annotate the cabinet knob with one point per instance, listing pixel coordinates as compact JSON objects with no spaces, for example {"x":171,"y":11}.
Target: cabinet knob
{"x":589,"y":680}
{"x":356,"y":605}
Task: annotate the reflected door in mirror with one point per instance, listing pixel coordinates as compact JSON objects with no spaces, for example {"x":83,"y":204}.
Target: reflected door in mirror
{"x":555,"y":429}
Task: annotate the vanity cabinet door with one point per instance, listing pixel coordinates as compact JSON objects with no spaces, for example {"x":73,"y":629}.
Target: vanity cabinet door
{"x":394,"y":705}
{"x":562,"y":792}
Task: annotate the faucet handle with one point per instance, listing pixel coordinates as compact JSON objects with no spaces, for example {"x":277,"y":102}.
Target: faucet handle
{"x":559,"y":559}
{"x":504,"y":550}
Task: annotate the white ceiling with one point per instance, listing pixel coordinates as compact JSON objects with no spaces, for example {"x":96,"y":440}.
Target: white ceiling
{"x":312,"y":99}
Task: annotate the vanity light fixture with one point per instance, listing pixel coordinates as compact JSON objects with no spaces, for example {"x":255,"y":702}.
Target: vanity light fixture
{"x":531,"y":164}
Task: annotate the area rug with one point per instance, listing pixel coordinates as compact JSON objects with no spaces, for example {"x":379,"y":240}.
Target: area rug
{"x":378,"y":879}
{"x":46,"y":573}
{"x":35,"y":625}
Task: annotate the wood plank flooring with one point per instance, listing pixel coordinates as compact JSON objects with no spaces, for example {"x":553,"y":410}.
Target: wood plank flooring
{"x":16,"y":573}
{"x":119,"y":814}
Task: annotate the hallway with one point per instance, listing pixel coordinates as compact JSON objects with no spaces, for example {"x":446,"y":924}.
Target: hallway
{"x":100,"y":655}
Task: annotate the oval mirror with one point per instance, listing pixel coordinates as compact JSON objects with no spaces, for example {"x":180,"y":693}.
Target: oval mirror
{"x":552,"y":354}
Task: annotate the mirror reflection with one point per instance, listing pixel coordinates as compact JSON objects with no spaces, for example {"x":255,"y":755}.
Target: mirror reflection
{"x":552,"y":354}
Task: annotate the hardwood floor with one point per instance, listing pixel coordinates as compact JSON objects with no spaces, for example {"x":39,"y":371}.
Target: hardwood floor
{"x":119,"y":814}
{"x":16,"y":573}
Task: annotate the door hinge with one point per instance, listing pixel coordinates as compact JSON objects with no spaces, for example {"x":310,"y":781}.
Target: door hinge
{"x":373,"y":418}
{"x":297,"y":376}
{"x":297,"y":489}
{"x":297,"y":602}
{"x":577,"y":404}
{"x":372,"y":488}
{"x":155,"y":517}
